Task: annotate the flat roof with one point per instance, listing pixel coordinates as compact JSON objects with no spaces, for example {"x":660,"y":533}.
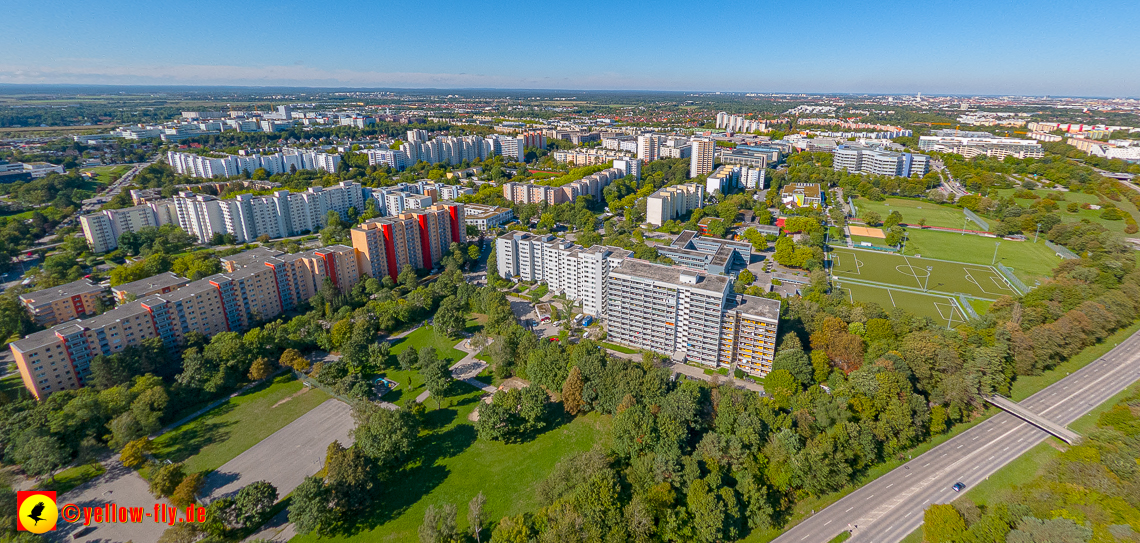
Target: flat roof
{"x":48,"y":295}
{"x":672,"y":275}
{"x":252,"y":256}
{"x":152,"y":283}
{"x":764,"y":308}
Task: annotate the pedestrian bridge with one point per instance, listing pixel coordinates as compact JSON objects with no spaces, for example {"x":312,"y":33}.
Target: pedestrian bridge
{"x":1057,"y":430}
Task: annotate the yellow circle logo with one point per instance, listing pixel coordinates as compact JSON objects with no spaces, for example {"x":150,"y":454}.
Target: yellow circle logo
{"x":38,"y":514}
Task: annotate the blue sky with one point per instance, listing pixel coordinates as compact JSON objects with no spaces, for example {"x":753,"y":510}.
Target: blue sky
{"x":1089,"y":48}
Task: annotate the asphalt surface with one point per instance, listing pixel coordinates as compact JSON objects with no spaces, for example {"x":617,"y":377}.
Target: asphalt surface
{"x":889,"y":508}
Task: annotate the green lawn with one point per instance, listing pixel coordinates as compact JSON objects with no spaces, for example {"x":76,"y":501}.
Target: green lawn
{"x":73,"y":477}
{"x":1092,"y":215}
{"x":454,"y":465}
{"x":1028,"y":385}
{"x":1030,"y":261}
{"x":913,"y":210}
{"x":926,"y":273}
{"x":981,"y":306}
{"x":218,"y":436}
{"x":12,"y":388}
{"x":939,"y":308}
{"x":620,"y":348}
{"x":410,"y":382}
{"x":104,"y":173}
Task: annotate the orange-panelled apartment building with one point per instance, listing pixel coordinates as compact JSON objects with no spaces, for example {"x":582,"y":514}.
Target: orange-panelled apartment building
{"x":258,"y":285}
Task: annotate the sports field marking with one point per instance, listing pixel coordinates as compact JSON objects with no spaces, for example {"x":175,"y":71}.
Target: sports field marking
{"x":892,"y":298}
{"x":953,"y":313}
{"x":1001,"y":287}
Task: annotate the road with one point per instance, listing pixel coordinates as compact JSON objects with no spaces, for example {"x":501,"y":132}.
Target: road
{"x":891,"y":507}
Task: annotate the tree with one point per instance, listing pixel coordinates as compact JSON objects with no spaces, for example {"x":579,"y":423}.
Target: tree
{"x":872,"y":218}
{"x":186,"y":492}
{"x":134,"y":452}
{"x":473,"y":252}
{"x":292,"y":358}
{"x":182,"y":532}
{"x":408,"y":278}
{"x":716,"y":228}
{"x":796,"y":362}
{"x":253,"y":501}
{"x":475,"y":515}
{"x":164,"y":481}
{"x":893,"y":219}
{"x":450,"y":316}
{"x":942,"y":524}
{"x":310,"y":509}
{"x":40,"y":455}
{"x":435,"y":373}
{"x":1057,"y":530}
{"x":261,"y":368}
{"x":350,"y":477}
{"x":439,"y":524}
{"x":385,"y":435}
{"x":572,"y":391}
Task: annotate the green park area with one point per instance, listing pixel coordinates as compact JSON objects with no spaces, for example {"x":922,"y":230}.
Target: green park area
{"x":1030,"y":261}
{"x":106,"y":174}
{"x":226,"y":431}
{"x":451,"y":466}
{"x":914,"y":210}
{"x":409,"y":383}
{"x":943,"y":309}
{"x":1079,"y":198}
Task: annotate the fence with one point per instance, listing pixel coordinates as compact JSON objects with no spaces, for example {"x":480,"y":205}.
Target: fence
{"x":977,"y":220}
{"x":877,"y":248}
{"x":1013,"y":280}
{"x":854,"y":210}
{"x":964,"y":301}
{"x":1061,"y":251}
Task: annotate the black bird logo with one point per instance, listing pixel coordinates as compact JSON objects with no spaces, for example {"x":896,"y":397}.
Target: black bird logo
{"x":36,"y":510}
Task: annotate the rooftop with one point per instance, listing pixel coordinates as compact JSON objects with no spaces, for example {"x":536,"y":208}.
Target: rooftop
{"x":760,"y":307}
{"x":48,"y":295}
{"x":151,"y":284}
{"x":252,"y":256}
{"x":673,"y":275}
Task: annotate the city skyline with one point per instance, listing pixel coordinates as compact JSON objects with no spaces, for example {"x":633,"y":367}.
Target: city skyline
{"x":820,"y":47}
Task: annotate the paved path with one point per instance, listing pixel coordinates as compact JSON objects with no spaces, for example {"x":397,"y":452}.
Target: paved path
{"x":696,"y":373}
{"x":124,"y":487}
{"x":889,"y":508}
{"x":287,"y":456}
{"x":465,"y":370}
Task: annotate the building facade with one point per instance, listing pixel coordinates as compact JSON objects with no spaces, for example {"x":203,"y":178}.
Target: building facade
{"x":669,"y":203}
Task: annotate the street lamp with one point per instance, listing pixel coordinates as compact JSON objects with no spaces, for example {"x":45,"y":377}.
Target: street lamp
{"x":1037,"y":232}
{"x":995,"y":252}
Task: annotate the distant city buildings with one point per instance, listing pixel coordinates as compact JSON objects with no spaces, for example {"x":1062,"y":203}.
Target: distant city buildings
{"x":592,"y":185}
{"x":670,"y":203}
{"x":737,"y":123}
{"x":590,"y":157}
{"x":13,"y":171}
{"x":195,"y":165}
{"x":971,"y":144}
{"x":862,"y":159}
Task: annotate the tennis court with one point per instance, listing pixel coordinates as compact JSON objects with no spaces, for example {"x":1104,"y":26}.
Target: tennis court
{"x":866,"y":232}
{"x":925,"y":274}
{"x":943,"y":309}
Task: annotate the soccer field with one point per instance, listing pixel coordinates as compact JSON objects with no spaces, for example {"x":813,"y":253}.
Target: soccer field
{"x":943,"y":309}
{"x":925,"y":274}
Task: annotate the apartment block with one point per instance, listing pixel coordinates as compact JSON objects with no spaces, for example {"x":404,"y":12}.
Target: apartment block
{"x":861,"y":159}
{"x":701,"y":160}
{"x":102,"y":229}
{"x":234,"y":165}
{"x":748,"y":334}
{"x":970,"y":146}
{"x":579,"y":273}
{"x":54,"y":305}
{"x":385,"y":246}
{"x":484,"y":217}
{"x":669,"y":203}
{"x":155,"y":284}
{"x":341,"y":265}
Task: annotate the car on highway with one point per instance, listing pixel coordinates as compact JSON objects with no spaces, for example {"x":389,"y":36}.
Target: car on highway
{"x":958,"y":486}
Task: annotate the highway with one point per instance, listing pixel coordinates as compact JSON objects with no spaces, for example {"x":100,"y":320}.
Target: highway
{"x":891,"y":507}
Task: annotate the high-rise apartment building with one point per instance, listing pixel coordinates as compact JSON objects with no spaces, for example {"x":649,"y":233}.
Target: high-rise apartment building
{"x":386,"y":245}
{"x":566,"y":268}
{"x":669,"y":203}
{"x":234,"y":165}
{"x":102,"y":229}
{"x":972,"y":144}
{"x":647,"y":146}
{"x":861,"y":159}
{"x":701,"y":161}
{"x":54,"y":305}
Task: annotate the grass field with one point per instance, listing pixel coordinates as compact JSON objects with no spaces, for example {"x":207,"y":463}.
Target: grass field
{"x":942,"y":309}
{"x":73,"y":477}
{"x":620,"y":348}
{"x":1030,"y":261}
{"x":913,"y":210}
{"x":410,"y":382}
{"x":453,"y":466}
{"x":104,"y":173}
{"x":218,"y":436}
{"x":942,"y":276}
{"x":12,"y":388}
